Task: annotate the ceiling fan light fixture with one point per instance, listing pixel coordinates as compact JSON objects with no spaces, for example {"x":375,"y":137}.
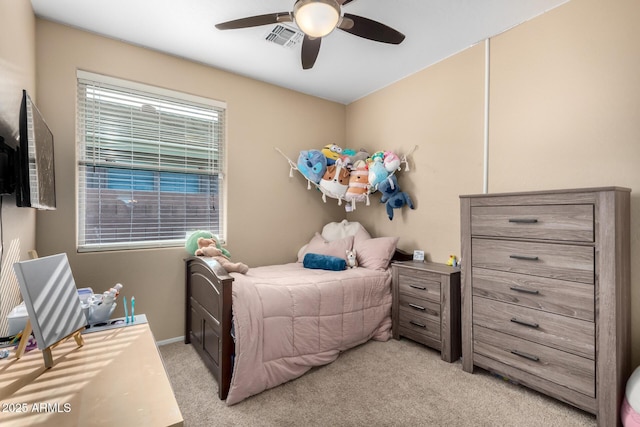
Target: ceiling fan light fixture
{"x":316,"y":18}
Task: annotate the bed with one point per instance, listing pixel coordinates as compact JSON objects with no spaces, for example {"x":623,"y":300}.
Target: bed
{"x":271,"y":325}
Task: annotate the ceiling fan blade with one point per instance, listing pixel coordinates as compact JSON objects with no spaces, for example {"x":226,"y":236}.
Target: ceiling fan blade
{"x":310,"y":49}
{"x":342,"y":3}
{"x":255,"y":21}
{"x":372,"y":30}
{"x":345,"y":23}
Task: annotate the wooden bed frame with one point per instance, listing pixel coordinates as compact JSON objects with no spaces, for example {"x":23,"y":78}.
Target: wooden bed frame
{"x":208,"y":316}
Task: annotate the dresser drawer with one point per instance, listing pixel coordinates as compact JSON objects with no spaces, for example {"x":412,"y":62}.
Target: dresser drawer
{"x":562,"y":297}
{"x":419,"y":308}
{"x":420,"y":284}
{"x":557,"y":261}
{"x":560,"y":332}
{"x":568,"y":370}
{"x":547,"y":222}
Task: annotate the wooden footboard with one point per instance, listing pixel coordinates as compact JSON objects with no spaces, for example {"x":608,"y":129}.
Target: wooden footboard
{"x":208,"y":318}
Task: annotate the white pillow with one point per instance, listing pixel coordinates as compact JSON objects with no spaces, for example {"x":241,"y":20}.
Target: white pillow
{"x":632,"y":390}
{"x":318,"y":245}
{"x":340,"y":230}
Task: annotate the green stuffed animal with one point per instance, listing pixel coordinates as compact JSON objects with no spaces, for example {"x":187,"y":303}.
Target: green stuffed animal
{"x":203,"y":243}
{"x":191,"y":245}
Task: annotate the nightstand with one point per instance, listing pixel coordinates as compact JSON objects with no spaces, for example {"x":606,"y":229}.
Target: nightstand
{"x":426,"y":306}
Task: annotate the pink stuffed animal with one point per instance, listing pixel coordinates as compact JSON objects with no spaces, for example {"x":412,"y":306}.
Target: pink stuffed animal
{"x":391,"y":161}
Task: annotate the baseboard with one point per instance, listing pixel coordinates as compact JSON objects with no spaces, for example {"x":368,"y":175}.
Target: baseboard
{"x":170,"y":341}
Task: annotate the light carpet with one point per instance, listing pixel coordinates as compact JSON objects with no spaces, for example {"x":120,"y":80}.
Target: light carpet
{"x":393,"y":383}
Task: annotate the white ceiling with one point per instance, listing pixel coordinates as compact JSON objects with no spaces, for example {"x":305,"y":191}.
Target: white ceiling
{"x":347,"y":68}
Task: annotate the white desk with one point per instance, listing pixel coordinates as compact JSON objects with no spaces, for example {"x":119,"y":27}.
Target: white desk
{"x":116,"y":379}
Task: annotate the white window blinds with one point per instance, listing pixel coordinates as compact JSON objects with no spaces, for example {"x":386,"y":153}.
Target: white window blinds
{"x":150,"y":165}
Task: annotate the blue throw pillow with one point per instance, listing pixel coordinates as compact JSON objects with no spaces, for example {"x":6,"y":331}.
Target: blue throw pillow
{"x":324,"y":262}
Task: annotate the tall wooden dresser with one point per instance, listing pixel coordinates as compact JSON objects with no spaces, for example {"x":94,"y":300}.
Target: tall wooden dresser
{"x":546,"y":292}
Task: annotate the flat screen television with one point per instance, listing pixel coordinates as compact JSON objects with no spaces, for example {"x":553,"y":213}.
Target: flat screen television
{"x":7,"y":168}
{"x":35,"y":181}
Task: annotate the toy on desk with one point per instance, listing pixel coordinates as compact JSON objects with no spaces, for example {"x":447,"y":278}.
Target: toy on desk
{"x":452,"y":261}
{"x":132,"y":318}
{"x":98,"y":308}
{"x":30,"y":344}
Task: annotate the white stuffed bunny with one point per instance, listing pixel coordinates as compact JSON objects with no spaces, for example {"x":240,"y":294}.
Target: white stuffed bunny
{"x":352,"y":262}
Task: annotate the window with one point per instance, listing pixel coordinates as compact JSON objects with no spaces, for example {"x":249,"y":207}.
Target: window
{"x":150,"y":165}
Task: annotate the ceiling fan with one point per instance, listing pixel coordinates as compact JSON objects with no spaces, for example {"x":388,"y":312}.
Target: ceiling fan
{"x":316,"y":19}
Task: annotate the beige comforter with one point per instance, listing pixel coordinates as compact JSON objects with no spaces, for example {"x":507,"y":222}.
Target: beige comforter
{"x":288,"y":319}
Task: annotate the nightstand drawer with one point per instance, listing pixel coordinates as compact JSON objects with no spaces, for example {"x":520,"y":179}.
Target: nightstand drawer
{"x":546,"y":222}
{"x":420,"y":325}
{"x":558,"y":261}
{"x":423,"y":309}
{"x":563,"y":333}
{"x":420,"y":284}
{"x":568,"y":370}
{"x":571,"y":299}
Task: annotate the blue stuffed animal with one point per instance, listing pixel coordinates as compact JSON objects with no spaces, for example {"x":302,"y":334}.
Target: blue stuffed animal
{"x":312,"y":164}
{"x":377,"y":174}
{"x":392,"y":196}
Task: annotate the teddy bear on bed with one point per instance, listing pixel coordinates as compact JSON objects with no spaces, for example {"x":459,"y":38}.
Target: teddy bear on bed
{"x":203,"y":243}
{"x":210,"y":247}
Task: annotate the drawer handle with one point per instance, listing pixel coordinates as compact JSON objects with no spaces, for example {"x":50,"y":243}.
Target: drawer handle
{"x":417,"y":307}
{"x":524,"y":290}
{"x":524,"y":257}
{"x":523,"y":220}
{"x":420,"y":325}
{"x":422,"y":288}
{"x":526,"y":355}
{"x":525,"y":323}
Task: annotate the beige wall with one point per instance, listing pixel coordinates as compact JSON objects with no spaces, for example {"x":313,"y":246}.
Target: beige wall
{"x":269,"y":214}
{"x":441,"y":111}
{"x":17,"y":72}
{"x":564,"y":108}
{"x":565,"y":103}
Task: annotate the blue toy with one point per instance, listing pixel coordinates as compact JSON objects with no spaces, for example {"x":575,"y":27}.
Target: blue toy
{"x":312,"y":164}
{"x":392,"y":196}
{"x":377,"y":174}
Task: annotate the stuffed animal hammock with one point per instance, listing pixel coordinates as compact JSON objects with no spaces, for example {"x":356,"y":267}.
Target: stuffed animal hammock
{"x":347,"y":175}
